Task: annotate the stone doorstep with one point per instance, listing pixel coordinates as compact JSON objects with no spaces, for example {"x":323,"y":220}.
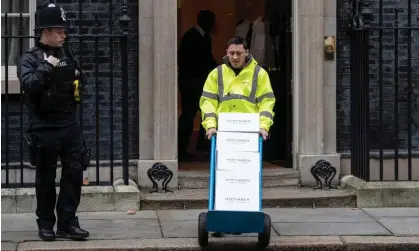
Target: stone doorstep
{"x":118,"y":198}
{"x":276,"y":197}
{"x":343,"y":243}
{"x":383,"y":193}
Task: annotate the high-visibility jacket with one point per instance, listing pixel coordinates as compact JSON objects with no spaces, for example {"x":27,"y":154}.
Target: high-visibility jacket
{"x":248,"y":92}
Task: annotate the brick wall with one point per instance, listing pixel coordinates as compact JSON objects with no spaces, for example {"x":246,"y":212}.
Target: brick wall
{"x":89,"y":26}
{"x":343,"y":77}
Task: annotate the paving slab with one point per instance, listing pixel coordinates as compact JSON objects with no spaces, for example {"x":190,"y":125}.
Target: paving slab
{"x":392,"y":212}
{"x":401,"y":226}
{"x":179,"y":229}
{"x":19,"y":236}
{"x":284,"y":215}
{"x":180,"y":215}
{"x":27,"y":221}
{"x":8,"y":246}
{"x":317,"y":229}
{"x":189,"y":229}
{"x":99,"y":230}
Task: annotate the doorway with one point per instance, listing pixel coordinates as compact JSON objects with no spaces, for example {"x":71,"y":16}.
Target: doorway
{"x":277,"y":60}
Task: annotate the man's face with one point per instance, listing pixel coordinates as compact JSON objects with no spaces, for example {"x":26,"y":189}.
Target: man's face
{"x":237,"y":55}
{"x":55,"y":36}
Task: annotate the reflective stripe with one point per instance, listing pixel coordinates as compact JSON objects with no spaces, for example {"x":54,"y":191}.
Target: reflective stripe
{"x":266,"y":95}
{"x":251,"y":98}
{"x":220,"y":83}
{"x":209,"y":115}
{"x":210,"y":95}
{"x":254,"y":83}
{"x":237,"y":96}
{"x":266,"y":114}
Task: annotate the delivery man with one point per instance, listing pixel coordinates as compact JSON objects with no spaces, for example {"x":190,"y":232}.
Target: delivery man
{"x":49,"y":76}
{"x":239,"y":85}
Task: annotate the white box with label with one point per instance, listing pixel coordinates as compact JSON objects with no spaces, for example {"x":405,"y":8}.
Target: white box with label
{"x":238,"y":122}
{"x":247,"y":162}
{"x":238,"y":141}
{"x":236,"y":191}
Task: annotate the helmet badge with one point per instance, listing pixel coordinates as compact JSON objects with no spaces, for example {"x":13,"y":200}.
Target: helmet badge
{"x":63,"y":15}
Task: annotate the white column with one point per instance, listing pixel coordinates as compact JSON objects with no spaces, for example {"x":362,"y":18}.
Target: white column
{"x":314,"y":113}
{"x":158,"y":88}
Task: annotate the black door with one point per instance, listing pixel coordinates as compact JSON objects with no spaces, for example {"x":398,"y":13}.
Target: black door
{"x":279,"y":147}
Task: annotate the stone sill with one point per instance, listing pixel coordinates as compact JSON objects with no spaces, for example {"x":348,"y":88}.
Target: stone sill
{"x":383,"y":193}
{"x":120,"y":198}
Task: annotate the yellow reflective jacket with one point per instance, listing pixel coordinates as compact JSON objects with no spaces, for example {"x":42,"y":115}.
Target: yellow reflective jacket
{"x":248,"y":92}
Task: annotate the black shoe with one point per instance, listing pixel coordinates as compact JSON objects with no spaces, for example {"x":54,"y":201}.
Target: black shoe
{"x":74,"y":233}
{"x":46,"y":234}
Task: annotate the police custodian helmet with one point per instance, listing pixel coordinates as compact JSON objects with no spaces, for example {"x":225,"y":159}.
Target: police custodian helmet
{"x":51,"y":17}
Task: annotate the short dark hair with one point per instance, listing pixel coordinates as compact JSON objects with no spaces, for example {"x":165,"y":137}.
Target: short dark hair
{"x":238,"y":41}
{"x":205,"y":16}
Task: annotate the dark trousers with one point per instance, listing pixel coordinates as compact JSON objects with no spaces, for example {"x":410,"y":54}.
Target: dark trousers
{"x":67,"y":143}
{"x":191,"y":91}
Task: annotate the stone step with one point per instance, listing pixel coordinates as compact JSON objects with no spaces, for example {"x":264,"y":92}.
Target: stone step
{"x":273,"y":176}
{"x":272,"y":198}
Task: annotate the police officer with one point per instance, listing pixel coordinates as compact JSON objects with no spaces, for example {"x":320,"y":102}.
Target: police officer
{"x":49,"y":76}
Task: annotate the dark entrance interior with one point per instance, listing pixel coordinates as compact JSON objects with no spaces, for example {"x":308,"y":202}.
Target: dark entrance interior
{"x":230,"y":14}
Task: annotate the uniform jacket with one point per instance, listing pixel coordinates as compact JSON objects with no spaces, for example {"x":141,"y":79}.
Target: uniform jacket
{"x":48,"y":90}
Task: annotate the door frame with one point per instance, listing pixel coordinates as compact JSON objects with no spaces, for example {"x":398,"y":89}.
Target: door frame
{"x":295,"y":82}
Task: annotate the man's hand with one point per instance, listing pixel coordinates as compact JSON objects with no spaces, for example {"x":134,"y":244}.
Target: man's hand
{"x":210,"y":132}
{"x":52,"y":60}
{"x":264,"y":133}
{"x":77,"y":73}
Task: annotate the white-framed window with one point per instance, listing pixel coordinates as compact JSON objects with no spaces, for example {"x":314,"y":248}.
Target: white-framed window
{"x":13,"y":8}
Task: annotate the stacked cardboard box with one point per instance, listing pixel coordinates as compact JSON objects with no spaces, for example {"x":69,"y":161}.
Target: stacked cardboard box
{"x":238,"y":162}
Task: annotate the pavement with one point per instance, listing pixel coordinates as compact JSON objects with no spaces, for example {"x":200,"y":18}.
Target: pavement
{"x":292,"y":229}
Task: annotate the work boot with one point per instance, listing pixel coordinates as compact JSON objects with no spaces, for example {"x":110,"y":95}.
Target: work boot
{"x":46,"y":234}
{"x":74,"y":233}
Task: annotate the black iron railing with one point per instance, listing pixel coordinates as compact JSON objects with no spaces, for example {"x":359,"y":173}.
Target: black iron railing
{"x":384,"y":93}
{"x":104,"y":58}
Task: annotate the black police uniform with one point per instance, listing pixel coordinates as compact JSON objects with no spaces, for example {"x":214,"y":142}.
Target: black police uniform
{"x":53,"y":131}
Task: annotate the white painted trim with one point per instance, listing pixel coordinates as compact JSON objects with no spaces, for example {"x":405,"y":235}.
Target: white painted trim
{"x":295,"y":80}
{"x":32,"y":9}
{"x":13,"y":81}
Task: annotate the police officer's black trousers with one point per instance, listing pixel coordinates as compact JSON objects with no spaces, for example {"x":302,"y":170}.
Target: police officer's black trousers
{"x":67,"y":143}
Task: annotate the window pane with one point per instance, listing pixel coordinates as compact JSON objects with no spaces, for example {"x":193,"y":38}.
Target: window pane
{"x":13,"y":44}
{"x":15,"y":6}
